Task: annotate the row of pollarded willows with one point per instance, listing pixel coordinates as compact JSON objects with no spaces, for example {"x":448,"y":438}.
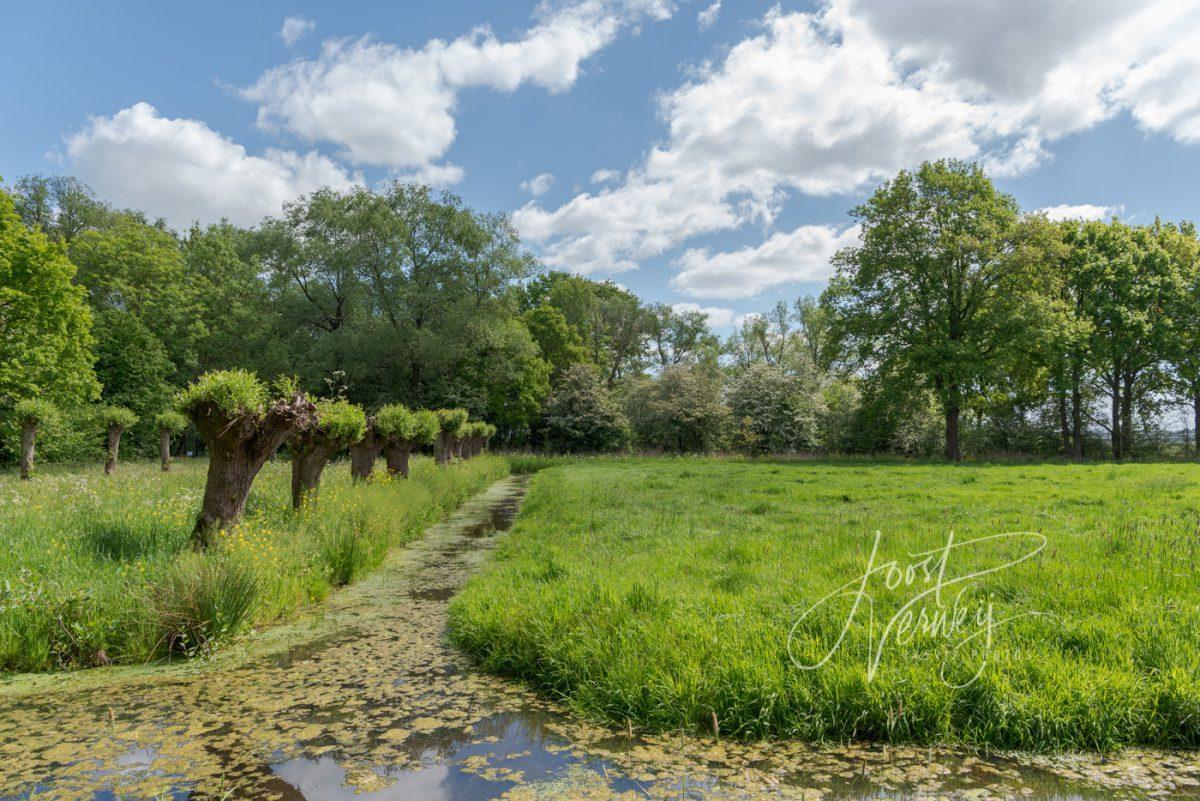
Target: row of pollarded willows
{"x":32,"y":414}
{"x":244,"y":421}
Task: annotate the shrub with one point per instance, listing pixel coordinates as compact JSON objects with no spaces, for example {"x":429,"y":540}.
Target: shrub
{"x":581,"y":415}
{"x":231,"y":392}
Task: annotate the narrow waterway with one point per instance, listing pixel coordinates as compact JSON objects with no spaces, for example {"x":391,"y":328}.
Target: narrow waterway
{"x":367,"y":700}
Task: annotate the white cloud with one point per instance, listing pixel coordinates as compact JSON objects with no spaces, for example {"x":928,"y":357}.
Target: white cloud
{"x":718,"y":317}
{"x":393,"y":106}
{"x":605,"y":176}
{"x":831,"y":101}
{"x":801,"y":255}
{"x":438,"y":175}
{"x":708,"y":16}
{"x":1082,"y":211}
{"x":538,"y":185}
{"x":183,"y":170}
{"x":294,"y":28}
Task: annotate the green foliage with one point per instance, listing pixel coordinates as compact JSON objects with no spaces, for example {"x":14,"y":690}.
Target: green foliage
{"x":139,"y":269}
{"x":395,"y":420}
{"x":425,"y":427}
{"x":233,"y":392}
{"x":581,"y":415}
{"x":696,"y":572}
{"x":133,"y":368}
{"x":45,"y":339}
{"x":451,"y":421}
{"x":559,"y":343}
{"x":171,"y":421}
{"x":118,"y":416}
{"x":341,"y":421}
{"x":34,"y":410}
{"x":202,"y":601}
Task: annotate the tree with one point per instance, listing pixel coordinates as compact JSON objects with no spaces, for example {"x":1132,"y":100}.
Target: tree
{"x":60,"y":206}
{"x":679,"y":337}
{"x":1183,"y":249}
{"x":560,"y":344}
{"x":242,"y":422}
{"x":31,"y":413}
{"x":45,"y":339}
{"x":404,"y":431}
{"x":139,"y":269}
{"x":169,"y":424}
{"x":1129,"y":288}
{"x":450,"y":425}
{"x":779,"y":409}
{"x":337,"y":425}
{"x":365,"y":452}
{"x":133,"y":367}
{"x":934,"y":286}
{"x":679,"y":411}
{"x":115,"y":420}
{"x":581,"y":415}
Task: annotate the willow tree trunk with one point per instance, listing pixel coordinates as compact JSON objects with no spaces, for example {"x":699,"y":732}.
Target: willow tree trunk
{"x":114,"y":448}
{"x":29,"y":437}
{"x":363,"y":456}
{"x":307,"y":465}
{"x":443,"y":448}
{"x":458,"y":447}
{"x":164,"y":449}
{"x":397,"y":460}
{"x":238,"y":447}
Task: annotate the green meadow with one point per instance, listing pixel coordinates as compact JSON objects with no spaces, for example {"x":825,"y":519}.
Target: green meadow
{"x":687,"y":594}
{"x":100,"y":569}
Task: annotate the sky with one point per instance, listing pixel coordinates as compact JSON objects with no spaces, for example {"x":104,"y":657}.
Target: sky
{"x":705,"y":154}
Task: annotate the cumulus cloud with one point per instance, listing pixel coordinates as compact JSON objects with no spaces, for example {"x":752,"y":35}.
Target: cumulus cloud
{"x":708,"y":16}
{"x":393,"y":106}
{"x":294,"y":28}
{"x":1082,"y":211}
{"x":183,"y":170}
{"x":605,"y":176}
{"x":784,"y":258}
{"x":538,"y":185}
{"x":718,"y":317}
{"x":828,"y":102}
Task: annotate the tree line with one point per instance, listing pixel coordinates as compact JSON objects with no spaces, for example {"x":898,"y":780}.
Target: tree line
{"x":957,"y":324}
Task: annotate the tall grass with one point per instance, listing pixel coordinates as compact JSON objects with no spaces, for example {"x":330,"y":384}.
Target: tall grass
{"x":100,"y":569}
{"x":663,"y":592}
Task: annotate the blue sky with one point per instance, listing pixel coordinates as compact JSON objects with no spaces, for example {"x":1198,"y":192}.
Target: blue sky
{"x":736,"y":144}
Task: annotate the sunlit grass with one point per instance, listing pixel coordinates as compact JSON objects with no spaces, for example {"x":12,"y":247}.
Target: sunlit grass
{"x":663,"y":592}
{"x":101,"y":569}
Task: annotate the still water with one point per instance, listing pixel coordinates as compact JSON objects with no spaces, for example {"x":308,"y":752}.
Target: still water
{"x":366,"y":700}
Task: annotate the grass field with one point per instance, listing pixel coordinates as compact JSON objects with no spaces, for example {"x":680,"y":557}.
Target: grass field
{"x":667,"y":594}
{"x":98,"y":569}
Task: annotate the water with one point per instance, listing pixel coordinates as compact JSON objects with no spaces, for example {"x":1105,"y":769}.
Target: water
{"x":367,"y":700}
